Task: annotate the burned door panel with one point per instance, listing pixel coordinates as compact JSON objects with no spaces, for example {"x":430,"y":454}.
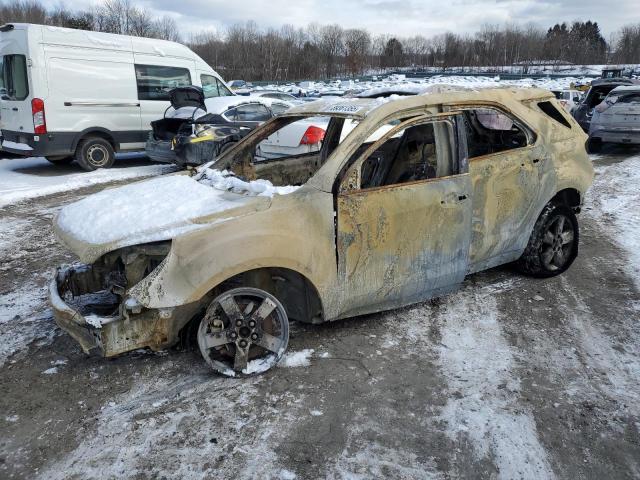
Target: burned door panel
{"x":505,"y":189}
{"x":402,"y":243}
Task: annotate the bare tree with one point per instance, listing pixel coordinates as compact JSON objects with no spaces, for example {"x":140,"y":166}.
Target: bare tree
{"x":357,"y":44}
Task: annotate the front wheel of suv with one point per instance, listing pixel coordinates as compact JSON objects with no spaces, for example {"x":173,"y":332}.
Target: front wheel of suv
{"x":244,"y":332}
{"x":553,"y":245}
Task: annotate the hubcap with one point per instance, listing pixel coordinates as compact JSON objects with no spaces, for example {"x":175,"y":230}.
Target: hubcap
{"x":557,"y":243}
{"x":97,"y":155}
{"x":244,"y":331}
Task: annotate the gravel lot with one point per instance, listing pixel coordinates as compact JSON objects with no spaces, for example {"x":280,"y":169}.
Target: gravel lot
{"x":509,"y":377}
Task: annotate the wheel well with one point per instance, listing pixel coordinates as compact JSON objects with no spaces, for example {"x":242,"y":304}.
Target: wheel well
{"x":569,"y":197}
{"x":95,"y":133}
{"x":297,"y":294}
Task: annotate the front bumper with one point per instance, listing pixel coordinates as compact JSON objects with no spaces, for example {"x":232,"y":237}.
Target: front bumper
{"x":70,"y":320}
{"x":118,"y":333}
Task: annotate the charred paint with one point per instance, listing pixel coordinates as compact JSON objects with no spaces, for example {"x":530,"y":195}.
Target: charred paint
{"x":361,"y":250}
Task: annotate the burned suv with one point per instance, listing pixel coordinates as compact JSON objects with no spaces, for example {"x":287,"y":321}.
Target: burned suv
{"x":405,"y":197}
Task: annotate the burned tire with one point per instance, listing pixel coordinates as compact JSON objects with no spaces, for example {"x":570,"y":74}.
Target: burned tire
{"x":553,"y":245}
{"x":60,"y":159}
{"x":244,"y":332}
{"x":594,"y":145}
{"x":93,"y":153}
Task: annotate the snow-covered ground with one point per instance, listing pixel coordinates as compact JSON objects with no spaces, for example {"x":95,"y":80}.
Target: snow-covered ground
{"x":615,"y":203}
{"x":24,"y":178}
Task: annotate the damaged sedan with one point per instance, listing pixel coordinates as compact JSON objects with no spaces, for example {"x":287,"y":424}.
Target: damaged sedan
{"x":404,"y":198}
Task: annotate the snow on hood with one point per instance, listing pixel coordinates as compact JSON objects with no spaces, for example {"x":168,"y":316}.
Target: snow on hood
{"x":155,"y":210}
{"x":224,"y":180}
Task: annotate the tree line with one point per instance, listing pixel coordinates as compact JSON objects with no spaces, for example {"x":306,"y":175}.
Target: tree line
{"x":325,"y":51}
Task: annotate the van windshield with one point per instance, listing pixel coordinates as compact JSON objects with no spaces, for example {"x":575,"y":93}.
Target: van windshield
{"x":14,"y":84}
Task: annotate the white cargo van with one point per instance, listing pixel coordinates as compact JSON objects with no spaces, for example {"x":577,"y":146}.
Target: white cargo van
{"x":77,"y":95}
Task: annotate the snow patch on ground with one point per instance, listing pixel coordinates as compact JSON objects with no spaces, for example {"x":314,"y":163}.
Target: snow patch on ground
{"x":614,"y":202}
{"x":297,"y":359}
{"x":618,"y":363}
{"x":484,"y":406}
{"x":24,"y":178}
{"x":188,"y":427}
{"x":380,"y":461}
{"x":24,"y":318}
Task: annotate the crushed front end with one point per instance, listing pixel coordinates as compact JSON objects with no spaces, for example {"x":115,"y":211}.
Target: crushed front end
{"x":90,"y":302}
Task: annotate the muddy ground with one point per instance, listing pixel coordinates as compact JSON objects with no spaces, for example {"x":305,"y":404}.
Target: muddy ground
{"x":510,"y":377}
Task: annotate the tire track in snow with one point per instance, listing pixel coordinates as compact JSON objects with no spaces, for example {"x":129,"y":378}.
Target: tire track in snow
{"x":619,"y":364}
{"x":483,"y":406}
{"x":484,"y":402}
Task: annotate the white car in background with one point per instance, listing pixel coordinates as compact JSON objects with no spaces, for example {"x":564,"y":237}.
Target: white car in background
{"x":569,"y":99}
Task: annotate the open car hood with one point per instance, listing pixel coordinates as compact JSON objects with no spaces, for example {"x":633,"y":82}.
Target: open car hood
{"x":190,"y":96}
{"x":148,"y":211}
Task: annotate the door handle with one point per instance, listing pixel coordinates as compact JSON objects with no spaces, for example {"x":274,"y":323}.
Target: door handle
{"x":15,"y":109}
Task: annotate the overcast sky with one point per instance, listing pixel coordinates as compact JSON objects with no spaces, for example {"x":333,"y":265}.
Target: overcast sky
{"x":396,"y":17}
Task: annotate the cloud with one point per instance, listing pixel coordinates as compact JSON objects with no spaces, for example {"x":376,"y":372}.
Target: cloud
{"x":395,"y":17}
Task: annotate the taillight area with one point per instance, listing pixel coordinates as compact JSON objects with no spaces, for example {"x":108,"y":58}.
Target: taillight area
{"x":39,"y":121}
{"x":312,"y":136}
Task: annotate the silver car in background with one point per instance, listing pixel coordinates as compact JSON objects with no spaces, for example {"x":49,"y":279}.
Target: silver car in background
{"x":616,"y":119}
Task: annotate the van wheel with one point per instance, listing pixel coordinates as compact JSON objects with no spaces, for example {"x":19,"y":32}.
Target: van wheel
{"x":244,"y":332}
{"x":93,"y":153}
{"x":60,"y":159}
{"x":553,"y":245}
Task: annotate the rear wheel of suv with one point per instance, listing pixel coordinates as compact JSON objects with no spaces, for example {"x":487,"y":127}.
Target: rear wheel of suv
{"x":93,"y":153}
{"x":553,"y":245}
{"x":60,"y":159}
{"x":245,"y":331}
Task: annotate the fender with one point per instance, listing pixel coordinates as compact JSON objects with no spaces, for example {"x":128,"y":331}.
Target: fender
{"x":295,"y":233}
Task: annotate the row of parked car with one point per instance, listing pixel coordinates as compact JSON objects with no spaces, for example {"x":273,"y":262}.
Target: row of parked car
{"x":610,"y":112}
